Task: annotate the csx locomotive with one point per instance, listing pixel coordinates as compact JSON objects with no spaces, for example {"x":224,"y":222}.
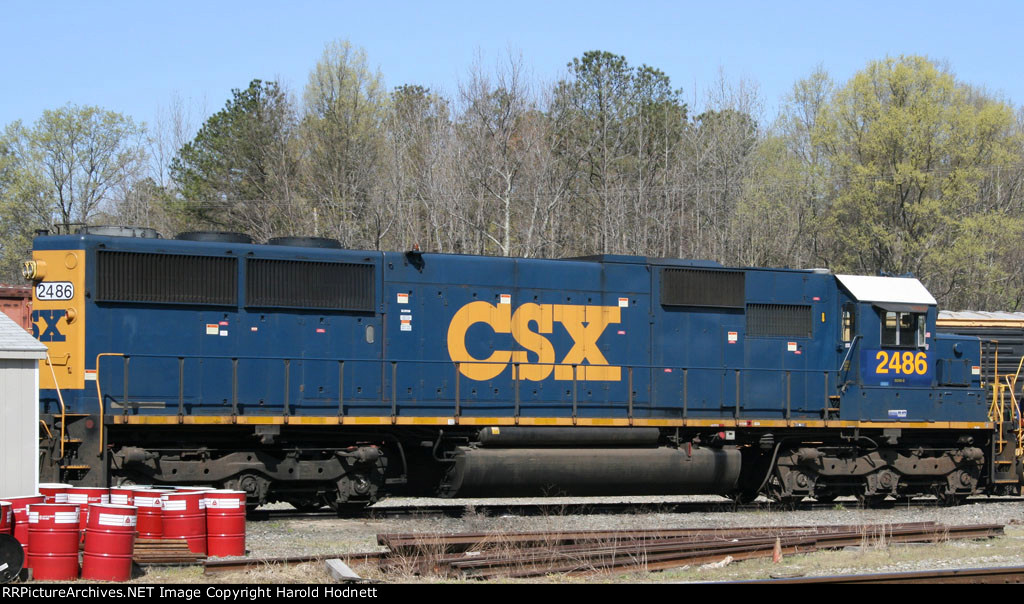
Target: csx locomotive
{"x":300,"y":371}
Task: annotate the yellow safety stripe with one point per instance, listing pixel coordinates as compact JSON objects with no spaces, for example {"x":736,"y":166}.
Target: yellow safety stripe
{"x":299,"y":420}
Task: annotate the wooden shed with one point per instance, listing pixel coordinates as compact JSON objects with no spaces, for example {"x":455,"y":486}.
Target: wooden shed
{"x":20,"y":354}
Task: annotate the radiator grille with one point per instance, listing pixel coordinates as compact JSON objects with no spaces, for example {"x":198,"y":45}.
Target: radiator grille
{"x":697,"y":287}
{"x":166,"y":278}
{"x":307,"y":284}
{"x":788,"y":320}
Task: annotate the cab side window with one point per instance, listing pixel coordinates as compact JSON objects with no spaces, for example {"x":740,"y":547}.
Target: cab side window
{"x":902,"y":329}
{"x":849,"y":322}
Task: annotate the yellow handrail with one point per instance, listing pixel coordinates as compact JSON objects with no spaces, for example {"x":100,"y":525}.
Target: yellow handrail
{"x":60,"y":397}
{"x":1019,"y":451}
{"x":99,"y":393}
{"x":1016,"y":408}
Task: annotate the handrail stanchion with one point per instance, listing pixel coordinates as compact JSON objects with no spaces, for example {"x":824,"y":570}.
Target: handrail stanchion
{"x":63,"y":411}
{"x":515,"y":379}
{"x":458,"y":382}
{"x":99,"y":395}
{"x":234,"y":388}
{"x":181,"y":387}
{"x":341,"y":388}
{"x":394,"y":390}
{"x":575,"y":368}
{"x":629,"y":394}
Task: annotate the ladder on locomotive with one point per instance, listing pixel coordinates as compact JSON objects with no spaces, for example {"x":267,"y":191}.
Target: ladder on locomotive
{"x":69,"y":437}
{"x":1004,"y":412}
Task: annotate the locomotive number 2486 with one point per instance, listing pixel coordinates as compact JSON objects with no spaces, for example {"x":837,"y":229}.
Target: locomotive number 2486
{"x":902,"y":363}
{"x":55,"y":290}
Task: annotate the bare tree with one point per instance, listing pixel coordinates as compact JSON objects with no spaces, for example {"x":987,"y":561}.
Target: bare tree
{"x":84,"y":155}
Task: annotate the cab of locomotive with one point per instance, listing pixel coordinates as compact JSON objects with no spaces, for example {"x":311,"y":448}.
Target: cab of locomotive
{"x":892,"y":357}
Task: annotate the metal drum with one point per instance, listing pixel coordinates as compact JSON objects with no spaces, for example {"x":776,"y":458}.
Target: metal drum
{"x":12,"y":558}
{"x":122,"y":496}
{"x":150,"y":518}
{"x":6,"y":518}
{"x":53,"y":541}
{"x":225,"y":523}
{"x":19,"y":510}
{"x":83,"y":497}
{"x":184,"y":517}
{"x":55,"y":492}
{"x":109,"y":542}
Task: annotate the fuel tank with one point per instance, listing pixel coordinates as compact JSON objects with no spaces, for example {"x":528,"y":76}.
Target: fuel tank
{"x":585,"y":436}
{"x":522,"y":472}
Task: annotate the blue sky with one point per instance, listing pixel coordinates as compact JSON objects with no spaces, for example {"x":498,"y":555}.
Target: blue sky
{"x":132,"y":57}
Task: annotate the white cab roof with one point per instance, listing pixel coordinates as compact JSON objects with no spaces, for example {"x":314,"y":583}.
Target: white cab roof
{"x":891,"y":290}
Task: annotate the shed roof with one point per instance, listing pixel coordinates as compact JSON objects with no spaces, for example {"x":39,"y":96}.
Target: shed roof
{"x":16,"y":343}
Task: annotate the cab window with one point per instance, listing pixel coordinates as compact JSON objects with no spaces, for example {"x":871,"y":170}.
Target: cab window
{"x":849,"y":322}
{"x":903,"y":329}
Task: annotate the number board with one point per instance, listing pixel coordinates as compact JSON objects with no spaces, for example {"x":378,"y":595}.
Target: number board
{"x":894,"y":367}
{"x":55,"y":290}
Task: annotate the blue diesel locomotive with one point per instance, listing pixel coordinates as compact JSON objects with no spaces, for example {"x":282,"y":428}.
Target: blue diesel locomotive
{"x":303,"y":372}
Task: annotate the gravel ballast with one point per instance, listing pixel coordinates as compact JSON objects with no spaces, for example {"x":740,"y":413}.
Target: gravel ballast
{"x":329,"y":536}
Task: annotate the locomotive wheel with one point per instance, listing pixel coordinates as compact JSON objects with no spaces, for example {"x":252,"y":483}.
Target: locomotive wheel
{"x":744,"y":497}
{"x":870,"y":501}
{"x":305,"y":504}
{"x":350,"y":510}
{"x":950,"y":499}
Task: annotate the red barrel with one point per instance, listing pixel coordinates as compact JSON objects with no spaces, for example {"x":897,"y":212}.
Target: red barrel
{"x":53,"y":541}
{"x":83,"y":497}
{"x":184,"y":517}
{"x":225,"y":523}
{"x":19,"y":509}
{"x":109,"y":542}
{"x":6,"y":518}
{"x":55,"y":492}
{"x":150,"y":519}
{"x":122,"y":495}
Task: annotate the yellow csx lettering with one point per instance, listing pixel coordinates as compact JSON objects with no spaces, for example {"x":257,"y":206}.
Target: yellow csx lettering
{"x":585,"y":325}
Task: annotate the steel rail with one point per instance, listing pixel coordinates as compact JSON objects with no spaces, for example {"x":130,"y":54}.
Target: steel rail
{"x":241,"y":564}
{"x":472,"y":540}
{"x":573,"y":556}
{"x":968,"y":576}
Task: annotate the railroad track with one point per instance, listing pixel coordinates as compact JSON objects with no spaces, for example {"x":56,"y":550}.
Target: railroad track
{"x":968,"y":576}
{"x":535,"y":554}
{"x":460,"y":510}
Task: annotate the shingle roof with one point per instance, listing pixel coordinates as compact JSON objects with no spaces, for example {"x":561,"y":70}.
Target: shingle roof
{"x":16,"y":343}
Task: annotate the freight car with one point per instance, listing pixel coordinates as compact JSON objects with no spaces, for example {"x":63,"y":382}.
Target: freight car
{"x":300,"y":371}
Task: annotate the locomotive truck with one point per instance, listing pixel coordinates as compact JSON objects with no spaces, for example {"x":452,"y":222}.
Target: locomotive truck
{"x":304,"y":372}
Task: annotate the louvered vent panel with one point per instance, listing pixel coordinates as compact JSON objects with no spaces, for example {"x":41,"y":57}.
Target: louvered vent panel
{"x":698,"y":287}
{"x":786,"y":320}
{"x":166,"y":278}
{"x":306,"y":284}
